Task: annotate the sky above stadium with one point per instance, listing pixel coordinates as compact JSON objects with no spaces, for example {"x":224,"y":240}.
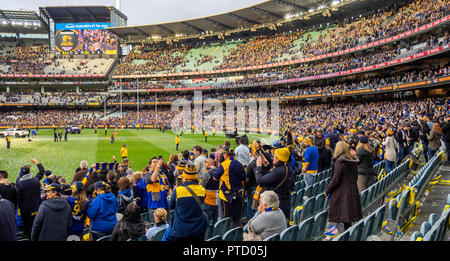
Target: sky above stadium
{"x":141,"y":12}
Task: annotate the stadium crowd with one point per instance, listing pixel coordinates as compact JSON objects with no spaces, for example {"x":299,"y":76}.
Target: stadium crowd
{"x":313,"y":138}
{"x":267,"y":49}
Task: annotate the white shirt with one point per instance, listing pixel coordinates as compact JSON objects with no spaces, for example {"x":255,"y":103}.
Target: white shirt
{"x":242,"y":154}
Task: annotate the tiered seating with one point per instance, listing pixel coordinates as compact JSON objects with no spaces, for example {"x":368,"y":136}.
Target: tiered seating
{"x":403,"y":210}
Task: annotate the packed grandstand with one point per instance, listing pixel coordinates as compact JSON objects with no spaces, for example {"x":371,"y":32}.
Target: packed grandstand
{"x":344,"y":72}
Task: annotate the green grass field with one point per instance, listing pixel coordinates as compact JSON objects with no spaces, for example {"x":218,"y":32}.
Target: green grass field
{"x":62,"y":158}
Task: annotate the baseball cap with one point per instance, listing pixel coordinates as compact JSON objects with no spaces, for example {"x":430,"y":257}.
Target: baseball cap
{"x":53,"y":187}
{"x":99,"y":184}
{"x":364,"y":139}
{"x":77,"y":186}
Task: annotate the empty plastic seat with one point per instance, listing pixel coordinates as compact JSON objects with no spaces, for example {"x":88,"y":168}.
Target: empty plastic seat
{"x":319,"y":204}
{"x":320,"y":222}
{"x":275,"y":237}
{"x":299,"y":197}
{"x":289,"y":234}
{"x":305,"y":229}
{"x":215,"y":238}
{"x":356,"y":231}
{"x":378,"y":222}
{"x":234,"y":234}
{"x":105,"y":238}
{"x":308,"y":208}
{"x":433,"y":218}
{"x":222,"y":226}
{"x":368,"y":226}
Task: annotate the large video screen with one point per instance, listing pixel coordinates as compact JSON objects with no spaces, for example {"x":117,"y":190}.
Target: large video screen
{"x":84,"y":38}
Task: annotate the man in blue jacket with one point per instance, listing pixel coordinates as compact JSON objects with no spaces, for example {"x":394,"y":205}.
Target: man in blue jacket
{"x":102,"y":211}
{"x":54,"y":218}
{"x":189,"y":221}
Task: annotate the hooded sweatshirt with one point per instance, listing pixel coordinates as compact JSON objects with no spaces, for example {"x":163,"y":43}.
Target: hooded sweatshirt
{"x":53,"y":221}
{"x":126,"y":229}
{"x":102,"y":212}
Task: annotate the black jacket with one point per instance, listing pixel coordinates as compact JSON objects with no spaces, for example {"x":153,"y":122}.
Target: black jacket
{"x":53,"y":221}
{"x":7,"y":220}
{"x":29,"y":191}
{"x":446,"y":131}
{"x":8,"y":191}
{"x":125,"y":230}
{"x":272,"y":179}
{"x":366,"y":162}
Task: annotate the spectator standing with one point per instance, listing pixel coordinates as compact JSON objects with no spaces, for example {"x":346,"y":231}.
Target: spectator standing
{"x":311,"y":162}
{"x":211,"y":189}
{"x":242,"y":153}
{"x":345,"y":204}
{"x":189,"y":220}
{"x":29,"y":195}
{"x":391,"y":148}
{"x":446,"y":136}
{"x":366,"y":155}
{"x":7,"y":188}
{"x":199,"y":161}
{"x":79,"y":205}
{"x":435,"y":139}
{"x":157,"y":186}
{"x":53,"y":221}
{"x":279,"y":179}
{"x":231,"y":177}
{"x":7,"y":220}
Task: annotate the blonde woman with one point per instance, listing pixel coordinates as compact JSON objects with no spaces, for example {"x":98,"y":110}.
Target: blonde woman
{"x":345,"y":204}
{"x":160,"y":216}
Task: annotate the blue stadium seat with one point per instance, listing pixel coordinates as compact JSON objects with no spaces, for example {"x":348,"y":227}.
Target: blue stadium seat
{"x":275,"y":237}
{"x":425,"y":227}
{"x":368,"y":226}
{"x":308,"y":191}
{"x":160,"y":234}
{"x":289,"y":234}
{"x":209,"y":232}
{"x":145,"y":216}
{"x":344,"y":236}
{"x":299,"y":197}
{"x":320,"y":222}
{"x":319,"y":205}
{"x":363,"y":198}
{"x":215,"y":238}
{"x":415,"y":236}
{"x":293,"y":199}
{"x":378,"y":222}
{"x":308,"y":208}
{"x":222,"y":226}
{"x":234,"y":234}
{"x":105,"y":238}
{"x":433,"y":218}
{"x":356,"y":231}
{"x":305,"y":229}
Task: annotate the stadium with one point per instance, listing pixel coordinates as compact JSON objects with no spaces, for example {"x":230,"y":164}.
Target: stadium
{"x":293,"y":120}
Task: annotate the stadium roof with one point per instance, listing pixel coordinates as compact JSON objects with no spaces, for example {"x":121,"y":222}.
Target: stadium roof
{"x":24,"y":22}
{"x":270,"y":12}
{"x":79,"y":14}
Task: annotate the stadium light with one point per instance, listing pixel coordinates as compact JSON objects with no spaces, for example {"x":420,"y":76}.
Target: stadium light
{"x":311,"y":10}
{"x":335,"y":2}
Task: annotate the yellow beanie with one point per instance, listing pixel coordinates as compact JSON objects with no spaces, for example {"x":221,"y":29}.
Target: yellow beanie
{"x":283,"y":154}
{"x":190,"y":172}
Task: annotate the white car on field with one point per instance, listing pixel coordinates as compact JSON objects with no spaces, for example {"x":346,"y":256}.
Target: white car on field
{"x":13,"y":132}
